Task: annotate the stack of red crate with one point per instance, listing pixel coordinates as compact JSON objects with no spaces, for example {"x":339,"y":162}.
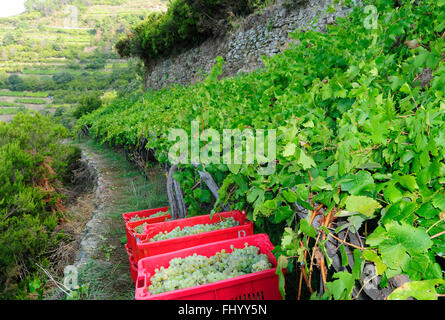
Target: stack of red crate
{"x":133,"y":237}
{"x":145,"y":256}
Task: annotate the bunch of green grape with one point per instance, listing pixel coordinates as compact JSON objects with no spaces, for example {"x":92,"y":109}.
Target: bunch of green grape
{"x":140,"y":229}
{"x":198,"y":228}
{"x":157,"y":214}
{"x":196,"y":269}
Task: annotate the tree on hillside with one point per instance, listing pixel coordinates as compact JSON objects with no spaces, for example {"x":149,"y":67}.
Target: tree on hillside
{"x":15,"y":83}
{"x":63,"y":77}
{"x":88,"y":103}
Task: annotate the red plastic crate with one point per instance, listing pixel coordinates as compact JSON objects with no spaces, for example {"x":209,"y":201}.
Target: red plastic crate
{"x":133,"y":264}
{"x":145,"y":248}
{"x":144,"y":213}
{"x":132,"y":237}
{"x":261,"y":285}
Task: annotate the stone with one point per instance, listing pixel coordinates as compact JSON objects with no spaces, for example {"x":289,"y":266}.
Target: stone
{"x":251,"y":39}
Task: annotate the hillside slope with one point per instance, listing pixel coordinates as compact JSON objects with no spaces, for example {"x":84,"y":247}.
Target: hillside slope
{"x":356,"y":116}
{"x":60,"y":51}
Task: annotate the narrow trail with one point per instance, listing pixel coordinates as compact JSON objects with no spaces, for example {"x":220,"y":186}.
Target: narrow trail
{"x":101,"y":257}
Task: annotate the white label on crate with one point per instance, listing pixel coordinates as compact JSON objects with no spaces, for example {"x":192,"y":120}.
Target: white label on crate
{"x":241,"y":233}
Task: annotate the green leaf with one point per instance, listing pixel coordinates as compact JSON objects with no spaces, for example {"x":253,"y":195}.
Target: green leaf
{"x":378,"y":236}
{"x":344,"y":256}
{"x":358,"y":264}
{"x":282,"y":263}
{"x":362,"y":204}
{"x":34,"y":285}
{"x":408,"y":182}
{"x":392,"y":194}
{"x":289,"y":149}
{"x":357,"y":183}
{"x":420,"y":290}
{"x":254,"y":194}
{"x":439,"y":201}
{"x":372,"y":256}
{"x":341,"y":288}
{"x":289,"y":196}
{"x":283,"y":213}
{"x":414,"y":240}
{"x":428,"y":211}
{"x":202,"y":195}
{"x":394,"y":256}
{"x":305,"y":161}
{"x":234,"y":168}
{"x":319,"y":183}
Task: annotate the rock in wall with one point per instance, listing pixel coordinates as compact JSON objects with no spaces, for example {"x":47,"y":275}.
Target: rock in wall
{"x":265,"y":32}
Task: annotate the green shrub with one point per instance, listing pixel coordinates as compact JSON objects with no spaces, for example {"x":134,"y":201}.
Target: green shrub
{"x":15,"y":83}
{"x":186,"y":23}
{"x":87,"y":104}
{"x":34,"y":163}
{"x":63,"y":77}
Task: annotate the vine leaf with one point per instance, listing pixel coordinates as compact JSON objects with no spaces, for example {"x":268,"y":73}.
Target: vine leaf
{"x":356,"y":183}
{"x":307,"y":229}
{"x":289,"y":149}
{"x":282,"y":263}
{"x":420,"y":290}
{"x":362,"y":204}
{"x":234,"y":168}
{"x":439,"y":201}
{"x":372,"y":256}
{"x":306,"y":161}
{"x":341,"y":288}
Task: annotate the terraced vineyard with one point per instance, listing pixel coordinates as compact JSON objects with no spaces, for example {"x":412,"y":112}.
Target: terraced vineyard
{"x":52,"y":56}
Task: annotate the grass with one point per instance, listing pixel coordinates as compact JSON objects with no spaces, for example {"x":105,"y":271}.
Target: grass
{"x":108,"y":275}
{"x":4,"y":93}
{"x":4,"y":111}
{"x":31,"y":100}
{"x":48,"y":72}
{"x":57,"y":106}
{"x":9,"y":104}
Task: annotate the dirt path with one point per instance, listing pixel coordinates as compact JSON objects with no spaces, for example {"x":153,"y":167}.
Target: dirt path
{"x":101,"y":258}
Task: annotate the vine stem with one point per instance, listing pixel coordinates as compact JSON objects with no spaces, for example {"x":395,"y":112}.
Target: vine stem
{"x":437,"y":235}
{"x":299,"y":285}
{"x":303,"y":271}
{"x":322,"y":266}
{"x":314,"y":214}
{"x":364,"y":284}
{"x":435,"y":224}
{"x":347,"y":243}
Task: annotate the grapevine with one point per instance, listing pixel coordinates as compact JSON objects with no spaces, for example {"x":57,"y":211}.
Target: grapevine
{"x":360,"y":162}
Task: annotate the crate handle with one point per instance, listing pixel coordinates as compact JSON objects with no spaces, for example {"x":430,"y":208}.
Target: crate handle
{"x":242,"y":233}
{"x":145,"y":281}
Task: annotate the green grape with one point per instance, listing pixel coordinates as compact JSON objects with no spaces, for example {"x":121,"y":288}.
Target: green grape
{"x":157,"y":214}
{"x":196,"y":269}
{"x":140,"y":229}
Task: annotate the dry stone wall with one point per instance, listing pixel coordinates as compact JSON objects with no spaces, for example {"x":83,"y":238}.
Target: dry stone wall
{"x":265,"y":32}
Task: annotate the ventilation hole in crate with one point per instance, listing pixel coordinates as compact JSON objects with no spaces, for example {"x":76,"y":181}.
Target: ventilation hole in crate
{"x":251,"y":296}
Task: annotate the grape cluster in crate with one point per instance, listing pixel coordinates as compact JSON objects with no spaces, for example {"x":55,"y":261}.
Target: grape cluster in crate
{"x":209,"y":257}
